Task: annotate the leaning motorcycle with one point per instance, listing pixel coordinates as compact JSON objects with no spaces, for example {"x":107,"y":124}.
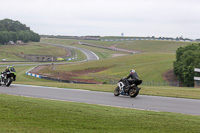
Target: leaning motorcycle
{"x":132,"y":91}
{"x":6,"y":78}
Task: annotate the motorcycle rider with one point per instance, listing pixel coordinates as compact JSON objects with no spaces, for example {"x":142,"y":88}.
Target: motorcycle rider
{"x":134,"y":77}
{"x":10,"y":69}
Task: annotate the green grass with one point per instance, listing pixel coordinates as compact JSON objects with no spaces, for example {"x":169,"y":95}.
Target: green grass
{"x":60,"y":41}
{"x":154,"y":46}
{"x":149,"y":66}
{"x":101,"y":53}
{"x":9,"y":56}
{"x":9,"y":52}
{"x":23,"y":114}
{"x":144,"y":45}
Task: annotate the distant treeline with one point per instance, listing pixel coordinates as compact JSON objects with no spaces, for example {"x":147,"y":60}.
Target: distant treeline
{"x":14,"y":30}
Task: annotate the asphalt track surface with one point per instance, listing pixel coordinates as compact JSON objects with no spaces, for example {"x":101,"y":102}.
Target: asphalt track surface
{"x":90,"y":55}
{"x":142,"y":102}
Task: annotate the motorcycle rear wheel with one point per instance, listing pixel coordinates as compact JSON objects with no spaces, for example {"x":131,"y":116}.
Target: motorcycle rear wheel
{"x":133,"y":92}
{"x":116,"y":91}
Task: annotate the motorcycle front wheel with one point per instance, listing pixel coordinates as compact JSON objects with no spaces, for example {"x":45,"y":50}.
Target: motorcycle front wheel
{"x":8,"y":82}
{"x":116,"y":91}
{"x":133,"y":92}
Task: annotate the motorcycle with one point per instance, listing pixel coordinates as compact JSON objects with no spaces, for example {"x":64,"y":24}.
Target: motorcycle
{"x":132,"y":91}
{"x":6,"y":78}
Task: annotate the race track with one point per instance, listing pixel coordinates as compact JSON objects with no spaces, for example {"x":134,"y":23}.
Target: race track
{"x":89,"y":54}
{"x":143,"y":102}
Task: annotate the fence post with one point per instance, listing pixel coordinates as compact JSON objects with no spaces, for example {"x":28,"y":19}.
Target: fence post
{"x":177,"y":83}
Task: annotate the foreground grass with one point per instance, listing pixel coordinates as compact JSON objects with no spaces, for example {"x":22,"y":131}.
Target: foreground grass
{"x":22,"y":114}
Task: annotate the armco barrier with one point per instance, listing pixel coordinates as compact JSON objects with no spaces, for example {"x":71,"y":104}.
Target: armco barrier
{"x":34,"y":75}
{"x":65,"y":81}
{"x":31,"y":74}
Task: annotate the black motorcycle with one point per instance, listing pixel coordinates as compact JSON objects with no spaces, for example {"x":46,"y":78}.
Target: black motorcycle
{"x":132,"y":91}
{"x":6,"y":78}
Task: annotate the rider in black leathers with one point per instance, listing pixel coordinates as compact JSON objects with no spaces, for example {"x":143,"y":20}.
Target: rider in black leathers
{"x":9,"y":69}
{"x":134,"y":77}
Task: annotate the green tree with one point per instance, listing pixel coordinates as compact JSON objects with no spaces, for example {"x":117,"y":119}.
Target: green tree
{"x":24,"y":36}
{"x":13,"y":30}
{"x":3,"y":38}
{"x":187,"y":58}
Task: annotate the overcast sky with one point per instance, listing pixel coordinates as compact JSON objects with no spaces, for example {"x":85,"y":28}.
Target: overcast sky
{"x":160,"y":18}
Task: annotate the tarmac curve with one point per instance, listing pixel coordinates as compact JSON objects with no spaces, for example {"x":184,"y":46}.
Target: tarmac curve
{"x":141,"y":102}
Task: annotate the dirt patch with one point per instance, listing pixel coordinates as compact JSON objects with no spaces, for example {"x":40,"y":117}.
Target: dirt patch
{"x":116,"y":55}
{"x":171,"y":78}
{"x":37,"y":69}
{"x":70,"y":76}
{"x":68,"y":53}
{"x":114,"y":46}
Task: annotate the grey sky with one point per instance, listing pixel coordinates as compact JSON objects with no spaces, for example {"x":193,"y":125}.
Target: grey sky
{"x":165,"y":18}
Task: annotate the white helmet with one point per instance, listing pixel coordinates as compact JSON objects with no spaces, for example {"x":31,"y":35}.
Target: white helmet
{"x":132,"y":71}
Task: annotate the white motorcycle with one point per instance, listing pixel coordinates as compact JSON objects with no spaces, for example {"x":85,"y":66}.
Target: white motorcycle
{"x":132,"y":91}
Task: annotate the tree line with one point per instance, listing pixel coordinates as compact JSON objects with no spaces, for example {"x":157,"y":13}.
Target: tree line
{"x":14,"y":30}
{"x":187,"y":58}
